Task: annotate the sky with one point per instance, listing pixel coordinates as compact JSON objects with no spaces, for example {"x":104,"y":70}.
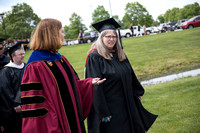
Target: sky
{"x":63,"y":9}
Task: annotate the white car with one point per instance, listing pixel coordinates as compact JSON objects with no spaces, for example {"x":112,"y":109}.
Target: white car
{"x":154,"y":29}
{"x":127,"y":32}
{"x":162,"y":27}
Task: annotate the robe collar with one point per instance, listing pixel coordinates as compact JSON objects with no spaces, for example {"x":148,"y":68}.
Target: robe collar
{"x":11,"y":64}
{"x":43,"y":55}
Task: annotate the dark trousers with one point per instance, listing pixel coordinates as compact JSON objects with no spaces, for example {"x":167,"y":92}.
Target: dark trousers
{"x":11,"y":122}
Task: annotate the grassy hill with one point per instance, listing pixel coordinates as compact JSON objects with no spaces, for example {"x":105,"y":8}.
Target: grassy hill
{"x":150,"y":56}
{"x":177,"y":105}
{"x":176,"y":102}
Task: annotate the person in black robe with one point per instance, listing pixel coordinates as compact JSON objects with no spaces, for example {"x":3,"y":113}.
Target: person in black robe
{"x":3,"y":58}
{"x":10,"y":98}
{"x":117,"y":104}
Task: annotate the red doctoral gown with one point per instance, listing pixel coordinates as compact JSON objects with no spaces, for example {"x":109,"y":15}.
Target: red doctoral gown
{"x":54,"y":100}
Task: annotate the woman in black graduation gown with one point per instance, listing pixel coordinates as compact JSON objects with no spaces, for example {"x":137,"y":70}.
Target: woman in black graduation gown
{"x":116,"y":107}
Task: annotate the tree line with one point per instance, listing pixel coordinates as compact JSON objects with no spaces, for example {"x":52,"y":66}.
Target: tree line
{"x":21,"y":20}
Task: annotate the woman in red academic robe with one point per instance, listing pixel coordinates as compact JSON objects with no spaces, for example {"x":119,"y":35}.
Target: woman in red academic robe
{"x":54,"y":100}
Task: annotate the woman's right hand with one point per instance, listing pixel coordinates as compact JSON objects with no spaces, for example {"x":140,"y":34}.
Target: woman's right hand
{"x":97,"y":81}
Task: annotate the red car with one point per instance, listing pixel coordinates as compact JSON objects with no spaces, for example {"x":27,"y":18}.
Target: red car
{"x":191,"y":23}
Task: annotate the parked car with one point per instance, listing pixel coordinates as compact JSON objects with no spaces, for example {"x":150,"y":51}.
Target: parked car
{"x":154,"y":29}
{"x":87,"y":37}
{"x":170,"y":26}
{"x":179,"y":23}
{"x":127,"y":32}
{"x":191,"y":23}
{"x":72,"y":42}
{"x":162,"y":27}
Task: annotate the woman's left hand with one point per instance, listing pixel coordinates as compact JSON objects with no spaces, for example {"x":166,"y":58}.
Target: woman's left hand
{"x":106,"y":119}
{"x":97,"y":81}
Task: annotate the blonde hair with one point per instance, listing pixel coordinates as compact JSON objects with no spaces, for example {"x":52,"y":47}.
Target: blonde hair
{"x":46,"y":36}
{"x":102,"y":49}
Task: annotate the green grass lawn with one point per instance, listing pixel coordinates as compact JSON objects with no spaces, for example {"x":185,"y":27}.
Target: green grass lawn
{"x":161,"y":54}
{"x":177,"y":103}
{"x":150,"y":56}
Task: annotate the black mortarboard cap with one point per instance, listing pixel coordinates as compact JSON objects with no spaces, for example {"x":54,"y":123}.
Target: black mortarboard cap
{"x":13,"y":48}
{"x":106,"y":24}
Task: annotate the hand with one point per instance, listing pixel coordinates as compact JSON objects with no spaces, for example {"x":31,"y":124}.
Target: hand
{"x":106,"y":119}
{"x":140,"y":97}
{"x":97,"y":81}
{"x":2,"y":128}
{"x":18,"y":109}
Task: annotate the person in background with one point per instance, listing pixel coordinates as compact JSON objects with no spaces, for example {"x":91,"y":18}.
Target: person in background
{"x":10,"y":98}
{"x":139,"y":30}
{"x":93,"y":35}
{"x":132,"y":30}
{"x":53,"y":97}
{"x":117,"y":104}
{"x":4,"y":59}
{"x":7,"y":46}
{"x":80,"y":37}
{"x":144,"y":28}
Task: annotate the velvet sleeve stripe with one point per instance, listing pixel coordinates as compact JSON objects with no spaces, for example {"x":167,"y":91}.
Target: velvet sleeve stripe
{"x":31,"y":86}
{"x":41,"y":112}
{"x":32,"y":100}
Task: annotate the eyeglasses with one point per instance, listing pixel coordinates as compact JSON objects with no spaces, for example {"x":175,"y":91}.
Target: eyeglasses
{"x":109,"y":37}
{"x":1,"y":48}
{"x":20,"y":54}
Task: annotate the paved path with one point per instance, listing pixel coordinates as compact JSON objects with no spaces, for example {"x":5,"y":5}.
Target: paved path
{"x":171,"y":77}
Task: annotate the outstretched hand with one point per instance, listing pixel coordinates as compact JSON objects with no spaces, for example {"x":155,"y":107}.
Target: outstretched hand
{"x":140,"y":97}
{"x":97,"y":81}
{"x":18,"y":109}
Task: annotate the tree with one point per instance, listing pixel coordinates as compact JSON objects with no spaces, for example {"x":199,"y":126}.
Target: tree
{"x":161,"y":19}
{"x":127,"y":20}
{"x":147,"y":19}
{"x":136,"y":13}
{"x":173,"y":15}
{"x":116,"y":17}
{"x":155,"y":23}
{"x":166,"y":15}
{"x":2,"y":31}
{"x":189,"y":11}
{"x":66,"y":31}
{"x":75,"y":26}
{"x":100,"y":14}
{"x":21,"y":21}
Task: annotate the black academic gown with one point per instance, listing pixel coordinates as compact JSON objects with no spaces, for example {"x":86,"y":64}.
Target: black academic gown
{"x":10,"y":78}
{"x":116,"y":97}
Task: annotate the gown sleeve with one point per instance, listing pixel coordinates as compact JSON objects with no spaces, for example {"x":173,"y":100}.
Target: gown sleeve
{"x":7,"y":94}
{"x":87,"y":94}
{"x":137,"y":87}
{"x":93,"y":69}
